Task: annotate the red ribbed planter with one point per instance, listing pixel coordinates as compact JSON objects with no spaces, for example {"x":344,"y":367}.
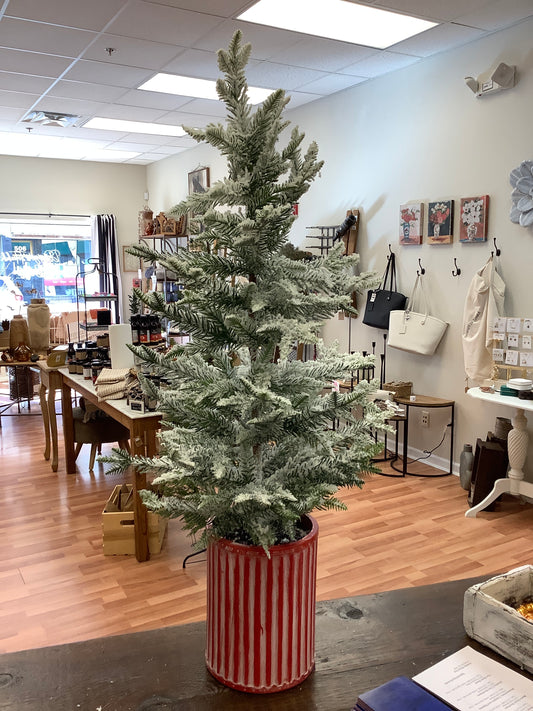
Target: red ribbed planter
{"x":261,"y":613}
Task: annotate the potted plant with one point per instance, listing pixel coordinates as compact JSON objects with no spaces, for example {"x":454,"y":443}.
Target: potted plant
{"x":253,"y":439}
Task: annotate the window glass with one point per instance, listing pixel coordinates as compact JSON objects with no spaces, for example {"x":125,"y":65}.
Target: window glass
{"x":41,"y":260}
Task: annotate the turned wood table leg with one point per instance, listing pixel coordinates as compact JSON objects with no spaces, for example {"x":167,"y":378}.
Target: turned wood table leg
{"x":46,"y":420}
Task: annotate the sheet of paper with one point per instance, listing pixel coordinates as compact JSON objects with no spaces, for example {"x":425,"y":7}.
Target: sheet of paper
{"x":470,"y":681}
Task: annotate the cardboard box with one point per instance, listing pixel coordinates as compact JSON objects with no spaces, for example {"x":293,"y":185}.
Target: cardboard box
{"x":118,"y":525}
{"x":490,"y":615}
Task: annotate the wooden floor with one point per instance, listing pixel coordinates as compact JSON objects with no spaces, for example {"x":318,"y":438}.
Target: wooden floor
{"x":57,"y":586}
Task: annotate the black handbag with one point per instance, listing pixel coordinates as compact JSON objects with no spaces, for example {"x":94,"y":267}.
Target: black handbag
{"x":381,"y":301}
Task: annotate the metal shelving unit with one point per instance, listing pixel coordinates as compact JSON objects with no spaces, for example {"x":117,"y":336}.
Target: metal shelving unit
{"x":108,"y":296}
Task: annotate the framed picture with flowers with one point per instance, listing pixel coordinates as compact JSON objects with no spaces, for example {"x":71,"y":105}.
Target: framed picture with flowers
{"x":411,"y":222}
{"x":473,"y":219}
{"x":440,"y":222}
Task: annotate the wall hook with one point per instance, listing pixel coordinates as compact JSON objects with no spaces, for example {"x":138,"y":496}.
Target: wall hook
{"x":456,"y":271}
{"x":497,"y":249}
{"x":421,"y":270}
{"x":390,"y":250}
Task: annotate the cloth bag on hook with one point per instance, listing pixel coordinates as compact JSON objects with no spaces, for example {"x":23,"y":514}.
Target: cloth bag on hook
{"x":381,"y":301}
{"x":416,"y":331}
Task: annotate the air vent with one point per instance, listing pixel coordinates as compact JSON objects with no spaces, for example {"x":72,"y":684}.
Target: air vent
{"x":50,"y":118}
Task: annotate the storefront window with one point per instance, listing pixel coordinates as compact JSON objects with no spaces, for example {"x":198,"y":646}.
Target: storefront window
{"x":41,"y":261}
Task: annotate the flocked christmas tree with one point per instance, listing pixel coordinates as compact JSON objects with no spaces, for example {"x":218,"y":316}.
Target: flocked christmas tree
{"x":249,"y":443}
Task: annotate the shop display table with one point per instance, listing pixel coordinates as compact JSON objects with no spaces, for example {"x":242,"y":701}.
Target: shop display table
{"x":361,"y":642}
{"x":427,"y":403}
{"x":517,"y":443}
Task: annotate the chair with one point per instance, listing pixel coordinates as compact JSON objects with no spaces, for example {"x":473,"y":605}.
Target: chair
{"x":97,"y":432}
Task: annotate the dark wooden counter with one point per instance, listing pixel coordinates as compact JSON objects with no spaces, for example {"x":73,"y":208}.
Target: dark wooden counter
{"x":361,"y":642}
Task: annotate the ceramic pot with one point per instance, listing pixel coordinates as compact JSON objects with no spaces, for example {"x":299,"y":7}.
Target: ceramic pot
{"x":22,"y":353}
{"x":261,"y":613}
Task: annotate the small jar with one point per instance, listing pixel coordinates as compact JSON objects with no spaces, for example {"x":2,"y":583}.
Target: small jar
{"x":96,"y":369}
{"x":87,"y":372}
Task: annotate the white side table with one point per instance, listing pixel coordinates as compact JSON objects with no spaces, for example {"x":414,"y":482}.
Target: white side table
{"x":517,"y":442}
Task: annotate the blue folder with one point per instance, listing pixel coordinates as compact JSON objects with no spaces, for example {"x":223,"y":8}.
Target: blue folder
{"x":399,"y":694}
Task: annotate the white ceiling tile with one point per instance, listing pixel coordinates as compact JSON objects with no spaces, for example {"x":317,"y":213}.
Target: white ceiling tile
{"x":182,"y":142}
{"x":210,"y":107}
{"x":228,"y":8}
{"x":21,"y":82}
{"x":167,"y":24}
{"x":380,"y":63}
{"x":498,"y":14}
{"x":299,"y":98}
{"x":17,"y":100}
{"x":108,"y":73}
{"x":182,"y":118}
{"x":130,"y":113}
{"x":438,"y":39}
{"x":153,"y":99}
{"x":82,"y":90}
{"x":323,"y":54}
{"x":194,"y":63}
{"x":36,"y":37}
{"x":146,"y":137}
{"x":44,"y":65}
{"x":93,"y":15}
{"x":132,"y":146}
{"x":332,"y":83}
{"x":146,"y":158}
{"x":266,"y":42}
{"x":8,"y":114}
{"x":69,"y":106}
{"x":132,"y":52}
{"x":281,"y":76}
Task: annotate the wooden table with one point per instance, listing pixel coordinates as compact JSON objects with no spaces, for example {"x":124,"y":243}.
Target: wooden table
{"x":426,"y":402}
{"x":51,"y":381}
{"x":361,"y":642}
{"x":142,"y":427}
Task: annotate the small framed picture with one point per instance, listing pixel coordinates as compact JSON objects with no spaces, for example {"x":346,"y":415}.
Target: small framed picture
{"x":198,"y":180}
{"x":440,"y":222}
{"x":130,"y":263}
{"x":411,"y":221}
{"x":473,"y":219}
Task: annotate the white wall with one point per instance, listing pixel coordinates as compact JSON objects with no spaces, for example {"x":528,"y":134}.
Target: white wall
{"x":417,"y":134}
{"x":76,"y":188}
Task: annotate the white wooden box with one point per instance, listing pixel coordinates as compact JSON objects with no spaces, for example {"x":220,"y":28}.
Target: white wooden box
{"x":490,"y":617}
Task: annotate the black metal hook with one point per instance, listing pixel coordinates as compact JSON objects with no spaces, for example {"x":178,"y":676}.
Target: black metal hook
{"x":422,"y":270}
{"x":456,"y":271}
{"x":498,"y":250}
{"x":390,"y":250}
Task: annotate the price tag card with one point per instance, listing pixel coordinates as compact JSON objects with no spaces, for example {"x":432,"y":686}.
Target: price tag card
{"x":498,"y":335}
{"x":528,"y":324}
{"x":526,"y":342}
{"x":511,"y":358}
{"x":499,"y":323}
{"x":526,"y":359}
{"x":497,"y":355}
{"x":512,"y":340}
{"x":513,"y":325}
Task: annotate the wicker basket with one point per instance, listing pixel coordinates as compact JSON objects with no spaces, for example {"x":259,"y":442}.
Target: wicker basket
{"x":399,"y":388}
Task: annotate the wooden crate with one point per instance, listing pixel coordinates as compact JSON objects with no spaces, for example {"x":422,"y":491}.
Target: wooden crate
{"x":118,"y":530}
{"x":490,"y":617}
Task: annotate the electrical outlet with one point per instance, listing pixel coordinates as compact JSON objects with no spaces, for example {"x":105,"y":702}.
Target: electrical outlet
{"x":425,"y":418}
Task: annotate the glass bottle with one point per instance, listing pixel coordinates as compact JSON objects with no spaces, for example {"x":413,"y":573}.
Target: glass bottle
{"x":466,"y":462}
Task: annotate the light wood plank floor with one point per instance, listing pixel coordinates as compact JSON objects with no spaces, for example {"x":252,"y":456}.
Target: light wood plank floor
{"x":56,"y":585}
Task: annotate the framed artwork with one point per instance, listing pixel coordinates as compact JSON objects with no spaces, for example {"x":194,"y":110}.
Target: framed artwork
{"x":411,"y":222}
{"x":129,"y":262}
{"x":473,"y":219}
{"x":198,"y":180}
{"x":440,"y":222}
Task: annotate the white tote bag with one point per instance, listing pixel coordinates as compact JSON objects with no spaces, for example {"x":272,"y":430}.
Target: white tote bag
{"x":413,"y":331}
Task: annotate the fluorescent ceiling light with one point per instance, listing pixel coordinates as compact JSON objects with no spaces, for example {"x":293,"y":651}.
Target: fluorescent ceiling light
{"x":337,"y":19}
{"x":34,"y":146}
{"x":158,"y":129}
{"x":197,"y":88}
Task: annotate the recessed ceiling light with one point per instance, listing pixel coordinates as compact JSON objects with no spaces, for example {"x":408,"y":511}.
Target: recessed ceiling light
{"x":337,"y":19}
{"x":197,"y":88}
{"x":158,"y":129}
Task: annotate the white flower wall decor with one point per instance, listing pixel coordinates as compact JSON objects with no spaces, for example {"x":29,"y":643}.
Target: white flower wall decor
{"x":521,"y":179}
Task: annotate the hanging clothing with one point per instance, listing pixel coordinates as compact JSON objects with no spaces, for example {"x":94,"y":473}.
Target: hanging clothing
{"x":484,"y":302}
